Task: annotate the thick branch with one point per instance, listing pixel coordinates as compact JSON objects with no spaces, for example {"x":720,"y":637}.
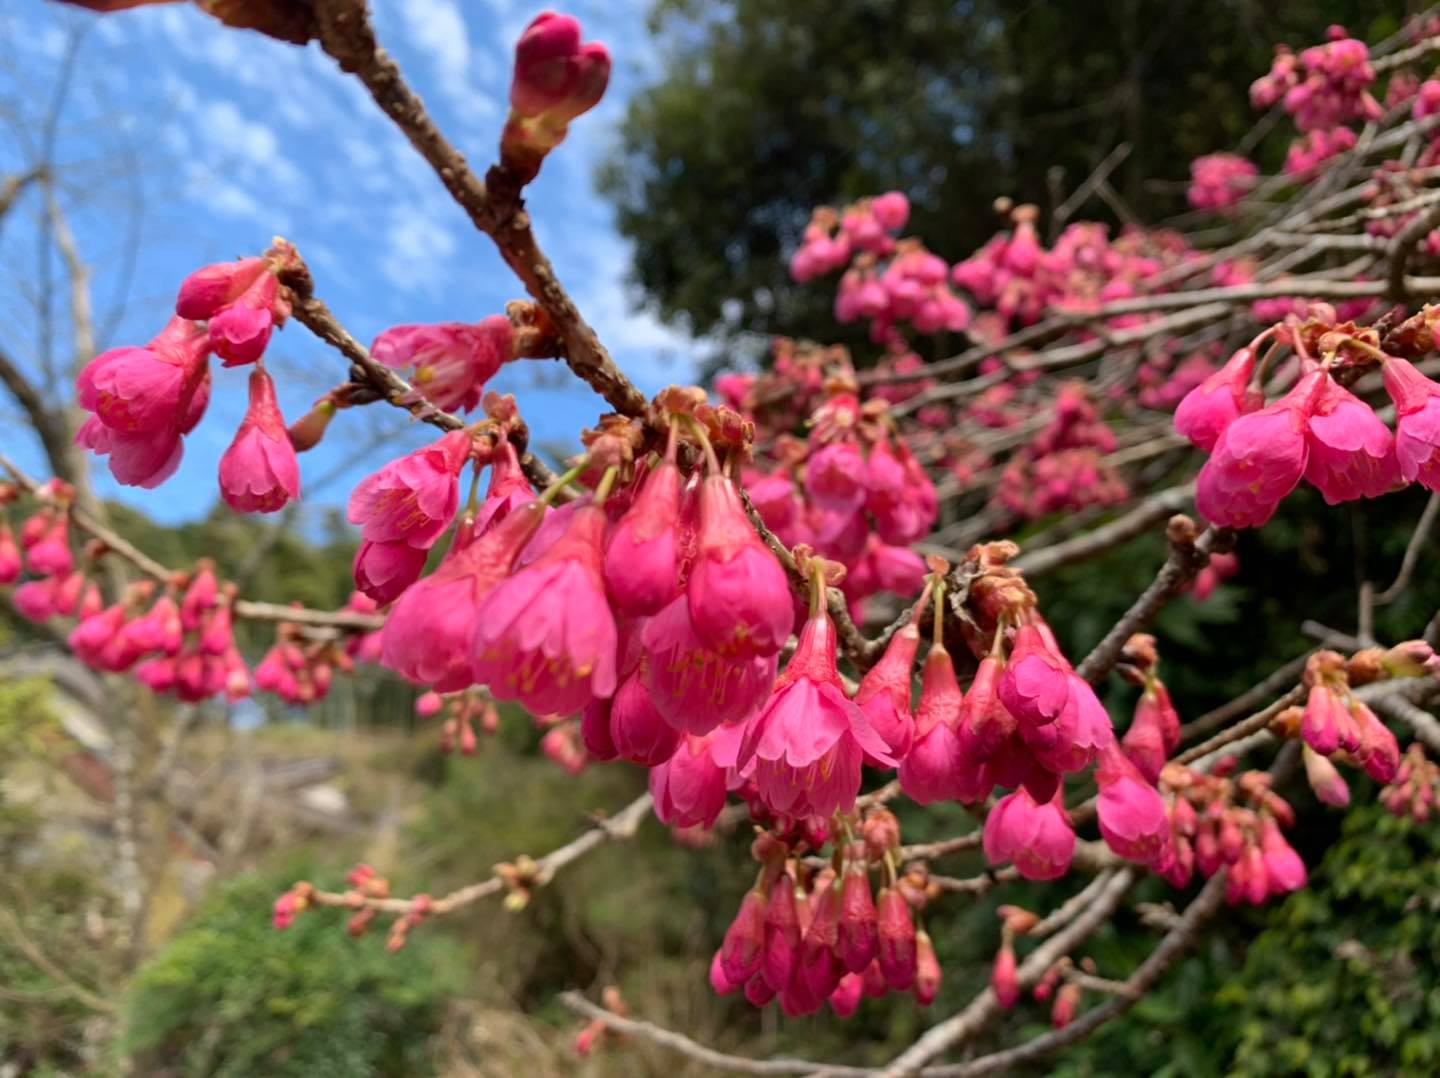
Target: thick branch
{"x":498,"y":210}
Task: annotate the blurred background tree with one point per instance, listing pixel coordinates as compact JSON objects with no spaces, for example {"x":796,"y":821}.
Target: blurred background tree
{"x":764,"y":109}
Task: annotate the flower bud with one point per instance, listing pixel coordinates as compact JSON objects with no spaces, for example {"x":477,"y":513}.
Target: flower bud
{"x":1003,"y":979}
{"x":927,"y":970}
{"x":859,"y":932}
{"x":896,"y":939}
{"x":744,"y":943}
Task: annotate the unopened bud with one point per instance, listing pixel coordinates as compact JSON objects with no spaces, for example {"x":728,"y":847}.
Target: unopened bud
{"x":1181,"y":530}
{"x":306,"y":432}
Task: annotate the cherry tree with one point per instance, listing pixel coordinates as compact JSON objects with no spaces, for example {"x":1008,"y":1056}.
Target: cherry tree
{"x":734,"y":589}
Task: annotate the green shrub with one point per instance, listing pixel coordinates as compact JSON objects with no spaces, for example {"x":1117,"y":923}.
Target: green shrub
{"x":230,"y":995}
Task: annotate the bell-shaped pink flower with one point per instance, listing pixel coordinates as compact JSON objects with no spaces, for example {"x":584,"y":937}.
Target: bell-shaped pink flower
{"x":1378,"y":751}
{"x":135,"y":391}
{"x":159,"y":629}
{"x":1284,"y":871}
{"x":896,"y":952}
{"x":1133,"y":820}
{"x":693,"y":687}
{"x":638,"y":731}
{"x":1209,"y":408}
{"x":452,"y":361}
{"x":884,"y":692}
{"x":744,"y":943}
{"x":859,"y":931}
{"x":820,"y":963}
{"x":641,"y":557}
{"x":1258,"y":460}
{"x":51,"y":556}
{"x":738,"y":595}
{"x":429,"y":634}
{"x":414,"y":498}
{"x":259,"y":473}
{"x":1037,"y":838}
{"x":807,"y":743}
{"x":10,"y":564}
{"x":136,"y":460}
{"x":1035,"y":685}
{"x":545,"y":636}
{"x":240,"y":330}
{"x":984,"y":721}
{"x":782,"y":935}
{"x":1325,"y":779}
{"x":936,"y":769}
{"x":1352,"y":454}
{"x":384,"y":570}
{"x":835,"y":477}
{"x":845,"y":999}
{"x":1324,"y":719}
{"x":508,"y":490}
{"x":210,"y":289}
{"x":1154,"y":733}
{"x":689,"y":788}
{"x":1417,"y":422}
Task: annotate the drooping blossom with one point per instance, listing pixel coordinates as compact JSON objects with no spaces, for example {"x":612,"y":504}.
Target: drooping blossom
{"x":1325,"y":779}
{"x":744,"y":942}
{"x":1219,"y":400}
{"x":1154,"y":733}
{"x":429,"y":634}
{"x":508,"y":490}
{"x":859,"y":930}
{"x":935,"y":769}
{"x":738,"y":596}
{"x":638,"y":731}
{"x":896,"y":939}
{"x":259,"y":472}
{"x":1417,"y":422}
{"x":1258,"y":459}
{"x":451,"y":361}
{"x":689,"y":788}
{"x":806,"y":745}
{"x":642,"y":552}
{"x":1003,"y":980}
{"x":241,"y":302}
{"x":1037,"y":838}
{"x":884,"y":692}
{"x":694,"y":687}
{"x":1352,"y":454}
{"x":1133,"y":820}
{"x":545,"y":636}
{"x":10,"y":564}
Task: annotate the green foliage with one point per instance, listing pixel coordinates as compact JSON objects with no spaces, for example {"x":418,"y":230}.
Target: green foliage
{"x":766,"y":108}
{"x":230,"y":995}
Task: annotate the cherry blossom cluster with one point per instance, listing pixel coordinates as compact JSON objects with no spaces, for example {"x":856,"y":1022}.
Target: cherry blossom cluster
{"x":1063,"y":466}
{"x":1014,"y":276}
{"x":1232,"y":823}
{"x":1318,"y":430}
{"x":1322,"y":88}
{"x":1220,"y":180}
{"x":1415,"y":790}
{"x":811,"y":937}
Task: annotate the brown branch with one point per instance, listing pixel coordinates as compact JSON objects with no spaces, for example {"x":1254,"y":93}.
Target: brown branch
{"x":1186,"y":559}
{"x":1125,"y":993}
{"x":985,"y":1008}
{"x":534,"y":874}
{"x":1281,"y":678}
{"x":1397,"y":285}
{"x":1252,"y":725}
{"x":1123,"y":528}
{"x":496,"y":208}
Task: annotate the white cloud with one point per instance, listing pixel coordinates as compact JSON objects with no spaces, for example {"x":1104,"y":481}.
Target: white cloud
{"x":419,"y":244}
{"x":437,"y":28}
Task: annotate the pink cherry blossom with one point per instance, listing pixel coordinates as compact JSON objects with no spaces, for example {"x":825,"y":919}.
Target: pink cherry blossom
{"x":1037,"y":838}
{"x":414,"y":498}
{"x":259,"y":473}
{"x":452,"y":361}
{"x":689,"y":787}
{"x":1258,"y":460}
{"x":807,"y":743}
{"x":508,"y":490}
{"x":641,"y":556}
{"x":136,"y":391}
{"x":1219,"y":400}
{"x":1417,"y":422}
{"x":429,"y":634}
{"x":884,"y":692}
{"x":694,"y":687}
{"x":738,"y":596}
{"x":638,"y":731}
{"x":383,"y":571}
{"x":1352,"y":454}
{"x":546,"y":636}
{"x":1133,"y":821}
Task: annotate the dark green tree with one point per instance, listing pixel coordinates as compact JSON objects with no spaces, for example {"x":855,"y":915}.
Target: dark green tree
{"x":766,"y":108}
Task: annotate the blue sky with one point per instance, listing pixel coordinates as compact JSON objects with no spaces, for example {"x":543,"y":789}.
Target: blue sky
{"x":203,"y":142}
